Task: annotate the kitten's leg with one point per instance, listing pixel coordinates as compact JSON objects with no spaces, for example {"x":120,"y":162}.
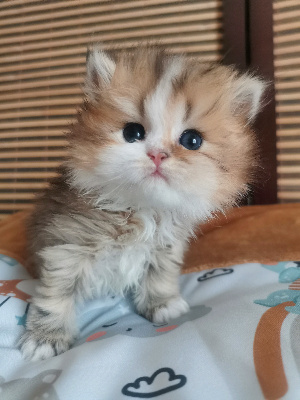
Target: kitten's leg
{"x":158,"y":297}
{"x":51,"y":325}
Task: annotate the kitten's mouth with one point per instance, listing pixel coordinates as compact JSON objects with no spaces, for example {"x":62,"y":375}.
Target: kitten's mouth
{"x":158,"y":174}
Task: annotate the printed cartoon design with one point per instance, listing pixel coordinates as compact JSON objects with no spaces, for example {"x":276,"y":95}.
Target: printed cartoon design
{"x":9,"y":288}
{"x":163,"y":380}
{"x":12,"y":269}
{"x":294,"y":340}
{"x":286,"y":275}
{"x":8,"y":260}
{"x":22,"y":319}
{"x":40,"y":387}
{"x":215,"y":273}
{"x":134,"y":325}
{"x":267,"y":342}
{"x":22,"y":288}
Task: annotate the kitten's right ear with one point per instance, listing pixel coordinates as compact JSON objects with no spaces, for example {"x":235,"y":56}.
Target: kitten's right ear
{"x":247,"y":91}
{"x":100,"y":68}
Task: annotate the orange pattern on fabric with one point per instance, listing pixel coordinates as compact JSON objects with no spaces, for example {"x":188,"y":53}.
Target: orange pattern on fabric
{"x":267,"y":352}
{"x":9,"y":288}
{"x":295,"y":285}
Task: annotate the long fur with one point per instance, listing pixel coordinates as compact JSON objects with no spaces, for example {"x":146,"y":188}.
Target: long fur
{"x":106,"y":224}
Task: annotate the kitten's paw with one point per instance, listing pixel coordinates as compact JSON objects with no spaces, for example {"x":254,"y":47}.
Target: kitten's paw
{"x":170,"y":310}
{"x":42,"y":346}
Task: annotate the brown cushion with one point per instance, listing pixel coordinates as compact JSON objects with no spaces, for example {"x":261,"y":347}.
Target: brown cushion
{"x":263,"y":234}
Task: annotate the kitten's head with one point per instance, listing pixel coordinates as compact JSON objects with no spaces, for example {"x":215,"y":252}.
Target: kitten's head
{"x":163,"y":131}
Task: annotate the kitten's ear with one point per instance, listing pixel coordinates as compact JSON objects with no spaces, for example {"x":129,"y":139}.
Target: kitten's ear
{"x":100,"y":68}
{"x":247,"y":96}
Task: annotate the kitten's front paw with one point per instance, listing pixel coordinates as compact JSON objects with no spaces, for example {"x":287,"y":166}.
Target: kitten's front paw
{"x":171,"y":309}
{"x":41,"y":346}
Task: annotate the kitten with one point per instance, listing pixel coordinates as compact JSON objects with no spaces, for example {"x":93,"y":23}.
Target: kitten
{"x":161,"y":143}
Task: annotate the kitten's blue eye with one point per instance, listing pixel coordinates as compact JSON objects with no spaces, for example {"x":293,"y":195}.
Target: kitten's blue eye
{"x":133,"y":132}
{"x":190,"y":139}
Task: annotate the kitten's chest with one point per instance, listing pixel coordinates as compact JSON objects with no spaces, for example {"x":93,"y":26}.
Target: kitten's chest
{"x":118,"y":268}
{"x":122,"y":264}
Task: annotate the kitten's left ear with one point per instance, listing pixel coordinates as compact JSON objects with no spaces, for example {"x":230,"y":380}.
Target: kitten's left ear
{"x":100,"y":68}
{"x":247,"y":95}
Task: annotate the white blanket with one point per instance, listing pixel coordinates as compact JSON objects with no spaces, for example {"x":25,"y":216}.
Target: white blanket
{"x":241,"y":340}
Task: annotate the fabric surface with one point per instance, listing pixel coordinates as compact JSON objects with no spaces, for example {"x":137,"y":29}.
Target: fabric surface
{"x":239,"y":341}
{"x":246,"y":234}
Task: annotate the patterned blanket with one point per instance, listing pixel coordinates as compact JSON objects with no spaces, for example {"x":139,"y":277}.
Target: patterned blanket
{"x":241,"y":340}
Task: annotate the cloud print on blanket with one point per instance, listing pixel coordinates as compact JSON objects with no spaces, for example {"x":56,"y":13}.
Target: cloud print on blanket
{"x":132,"y":324}
{"x":163,"y":380}
{"x":40,"y":387}
{"x":215,"y":273}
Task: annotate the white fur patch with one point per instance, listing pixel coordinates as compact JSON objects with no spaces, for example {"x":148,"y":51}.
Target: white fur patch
{"x":156,"y":105}
{"x":121,"y":266}
{"x":173,"y":309}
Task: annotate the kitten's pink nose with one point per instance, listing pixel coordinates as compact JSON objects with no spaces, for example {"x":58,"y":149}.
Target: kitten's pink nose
{"x":157,"y":158}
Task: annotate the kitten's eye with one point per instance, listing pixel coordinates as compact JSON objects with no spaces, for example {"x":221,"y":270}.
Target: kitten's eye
{"x":133,"y":132}
{"x":190,"y":139}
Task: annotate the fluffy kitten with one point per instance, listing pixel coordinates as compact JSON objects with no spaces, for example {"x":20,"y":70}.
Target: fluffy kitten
{"x":160,"y":144}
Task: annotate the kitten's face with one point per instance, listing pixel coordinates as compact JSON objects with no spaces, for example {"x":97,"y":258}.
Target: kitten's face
{"x":164,"y":132}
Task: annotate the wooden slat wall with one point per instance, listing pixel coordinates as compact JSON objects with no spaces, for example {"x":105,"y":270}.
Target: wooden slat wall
{"x":42,"y":62}
{"x":286,"y":23}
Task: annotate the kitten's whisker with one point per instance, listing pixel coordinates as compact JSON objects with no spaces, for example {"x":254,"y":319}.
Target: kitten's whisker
{"x":117,"y":187}
{"x":112,"y":179}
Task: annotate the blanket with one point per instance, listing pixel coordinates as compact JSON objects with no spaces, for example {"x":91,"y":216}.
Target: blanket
{"x":240,"y":340}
